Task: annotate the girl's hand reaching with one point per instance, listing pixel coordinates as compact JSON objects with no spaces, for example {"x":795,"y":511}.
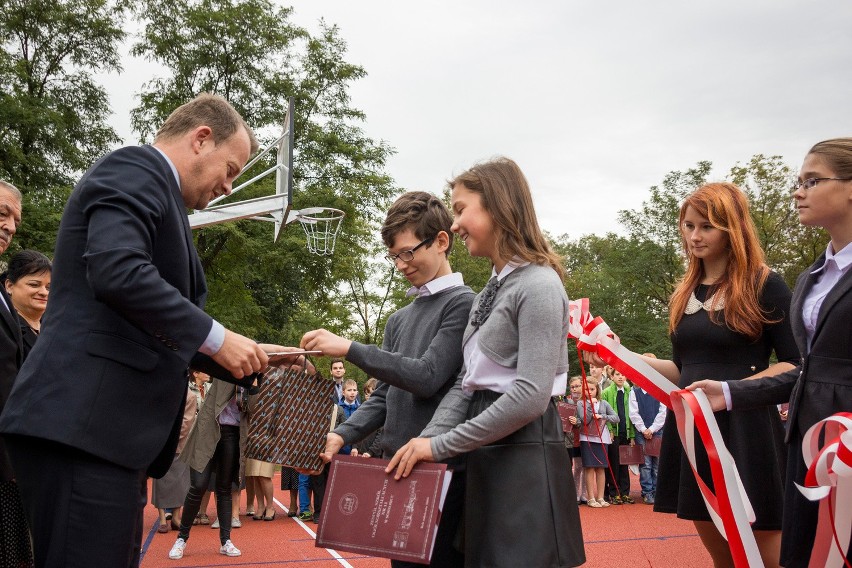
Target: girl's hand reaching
{"x":417,"y":449}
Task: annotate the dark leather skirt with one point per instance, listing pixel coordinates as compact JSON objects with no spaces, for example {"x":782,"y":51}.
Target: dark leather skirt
{"x":521,"y":504}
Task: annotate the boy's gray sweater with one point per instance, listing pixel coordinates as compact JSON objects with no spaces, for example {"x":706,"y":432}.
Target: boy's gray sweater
{"x":419,"y":360}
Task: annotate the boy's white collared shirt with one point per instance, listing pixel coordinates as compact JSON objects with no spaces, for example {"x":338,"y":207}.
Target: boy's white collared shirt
{"x":437,"y":285}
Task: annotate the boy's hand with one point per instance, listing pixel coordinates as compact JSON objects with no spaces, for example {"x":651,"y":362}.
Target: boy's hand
{"x":323,"y":340}
{"x":648,"y":434}
{"x":333,"y":443}
{"x":417,"y":449}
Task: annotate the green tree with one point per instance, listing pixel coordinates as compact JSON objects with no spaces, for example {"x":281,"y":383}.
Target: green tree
{"x":790,"y":247}
{"x":52,"y":112}
{"x":276,"y":292}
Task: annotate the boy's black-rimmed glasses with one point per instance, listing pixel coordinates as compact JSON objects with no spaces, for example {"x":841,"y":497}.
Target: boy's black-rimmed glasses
{"x":407,"y":255}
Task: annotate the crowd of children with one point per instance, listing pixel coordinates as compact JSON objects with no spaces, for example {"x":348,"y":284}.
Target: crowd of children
{"x":604,"y":420}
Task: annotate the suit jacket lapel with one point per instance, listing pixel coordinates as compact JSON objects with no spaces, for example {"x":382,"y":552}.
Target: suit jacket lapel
{"x":806,"y":281}
{"x":197,"y":283}
{"x":840,"y":289}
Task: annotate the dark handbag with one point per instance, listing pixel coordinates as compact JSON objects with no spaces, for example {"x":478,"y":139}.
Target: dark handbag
{"x":630,"y":455}
{"x":652,"y":446}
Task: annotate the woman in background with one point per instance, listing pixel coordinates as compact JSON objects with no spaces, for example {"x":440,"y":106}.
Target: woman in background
{"x":28,"y":285}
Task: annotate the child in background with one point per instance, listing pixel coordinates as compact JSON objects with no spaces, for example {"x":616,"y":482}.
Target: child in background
{"x":371,"y":445}
{"x":617,"y":395}
{"x":648,"y":417}
{"x":594,"y":439}
{"x":575,"y":394}
{"x":349,"y":403}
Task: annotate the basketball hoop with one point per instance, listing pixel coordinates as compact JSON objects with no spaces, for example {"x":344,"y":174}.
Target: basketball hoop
{"x":321,"y":225}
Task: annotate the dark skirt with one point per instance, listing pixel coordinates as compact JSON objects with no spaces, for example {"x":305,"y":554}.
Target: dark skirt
{"x":755,"y":439}
{"x":289,"y":479}
{"x":522,"y":490}
{"x":800,"y":514}
{"x":593,"y":454}
{"x":15,"y":548}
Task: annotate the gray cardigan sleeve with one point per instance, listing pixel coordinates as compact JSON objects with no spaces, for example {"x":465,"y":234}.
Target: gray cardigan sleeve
{"x":541,"y":345}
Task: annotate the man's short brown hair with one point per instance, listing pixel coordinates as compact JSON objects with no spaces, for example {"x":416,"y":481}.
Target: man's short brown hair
{"x":206,"y":110}
{"x":421,"y":212}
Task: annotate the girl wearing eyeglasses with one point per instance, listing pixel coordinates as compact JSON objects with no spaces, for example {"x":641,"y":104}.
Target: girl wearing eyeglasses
{"x":821,"y":385}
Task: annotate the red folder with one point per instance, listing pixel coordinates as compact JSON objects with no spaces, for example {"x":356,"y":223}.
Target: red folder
{"x":366,"y":510}
{"x":652,"y":446}
{"x":566,"y":410}
{"x":630,"y":455}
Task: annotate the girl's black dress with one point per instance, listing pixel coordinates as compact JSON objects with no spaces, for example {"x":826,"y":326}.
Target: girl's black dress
{"x":755,"y":438}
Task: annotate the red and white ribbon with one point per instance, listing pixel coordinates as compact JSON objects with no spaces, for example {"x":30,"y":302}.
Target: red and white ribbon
{"x":730,"y":510}
{"x":729,"y":506}
{"x":829,"y":481}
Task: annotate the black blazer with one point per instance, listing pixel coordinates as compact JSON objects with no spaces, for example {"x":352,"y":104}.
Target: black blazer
{"x":822,"y":384}
{"x":108,"y":374}
{"x":11,"y":357}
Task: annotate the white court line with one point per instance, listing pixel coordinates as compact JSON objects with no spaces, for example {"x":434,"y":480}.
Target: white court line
{"x":331,"y":551}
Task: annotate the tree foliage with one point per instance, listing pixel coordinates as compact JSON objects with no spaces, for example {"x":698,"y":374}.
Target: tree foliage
{"x":629,"y":279}
{"x":790,"y":247}
{"x":276,"y":292}
{"x":52,"y":112}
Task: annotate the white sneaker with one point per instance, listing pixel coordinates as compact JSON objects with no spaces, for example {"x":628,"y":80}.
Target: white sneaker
{"x":176,"y":553}
{"x":215,"y":524}
{"x":228,"y":549}
{"x":236,"y":523}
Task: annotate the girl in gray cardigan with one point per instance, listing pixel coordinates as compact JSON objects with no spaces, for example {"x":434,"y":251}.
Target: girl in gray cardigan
{"x":501,"y":411}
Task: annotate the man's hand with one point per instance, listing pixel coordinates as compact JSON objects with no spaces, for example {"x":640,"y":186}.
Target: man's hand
{"x":417,"y":449}
{"x":333,"y":443}
{"x":322,"y":340}
{"x":240,"y":355}
{"x":713,"y":390}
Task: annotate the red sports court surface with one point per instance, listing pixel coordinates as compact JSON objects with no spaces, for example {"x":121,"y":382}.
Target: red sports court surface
{"x":625,"y":536}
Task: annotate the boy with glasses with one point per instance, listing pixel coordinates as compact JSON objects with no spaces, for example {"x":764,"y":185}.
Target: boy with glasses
{"x":421,"y":354}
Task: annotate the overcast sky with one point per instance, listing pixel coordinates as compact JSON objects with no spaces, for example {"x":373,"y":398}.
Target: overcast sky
{"x":596,"y":101}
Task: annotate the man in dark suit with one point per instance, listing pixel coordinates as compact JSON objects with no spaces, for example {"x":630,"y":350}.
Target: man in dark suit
{"x":14,"y":537}
{"x":98,"y":404}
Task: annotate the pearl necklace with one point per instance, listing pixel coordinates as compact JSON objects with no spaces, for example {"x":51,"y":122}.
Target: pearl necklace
{"x":710,"y":304}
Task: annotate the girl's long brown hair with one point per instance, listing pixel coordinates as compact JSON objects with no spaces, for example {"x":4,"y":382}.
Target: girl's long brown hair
{"x":506,"y":196}
{"x":726,"y":207}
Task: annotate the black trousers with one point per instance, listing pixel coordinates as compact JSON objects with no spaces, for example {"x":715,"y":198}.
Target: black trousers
{"x":226,"y":463}
{"x":318,"y":483}
{"x":621,"y":484}
{"x":83,"y":511}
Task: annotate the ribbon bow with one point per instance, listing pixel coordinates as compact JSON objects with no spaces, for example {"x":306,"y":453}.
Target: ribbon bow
{"x":829,"y":481}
